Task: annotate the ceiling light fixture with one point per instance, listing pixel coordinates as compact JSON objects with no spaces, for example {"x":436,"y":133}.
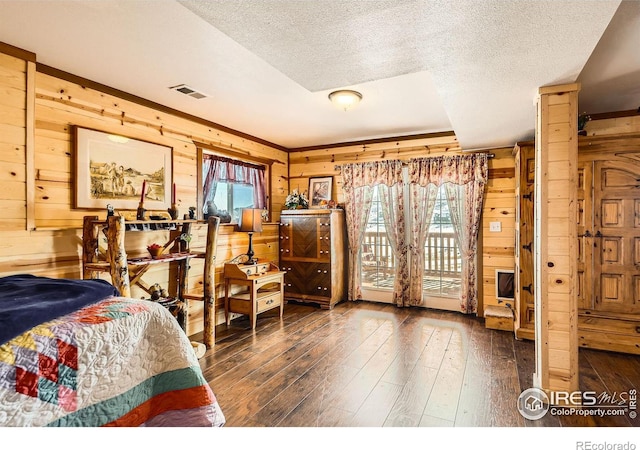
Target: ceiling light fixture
{"x":345,"y":98}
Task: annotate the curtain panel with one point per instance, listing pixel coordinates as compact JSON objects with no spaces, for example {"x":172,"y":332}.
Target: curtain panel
{"x":217,"y":168}
{"x":458,"y":169}
{"x":422,"y":202}
{"x":358,"y":182}
{"x":465,"y":178}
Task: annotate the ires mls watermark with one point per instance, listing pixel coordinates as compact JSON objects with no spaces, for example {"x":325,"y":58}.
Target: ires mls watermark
{"x":534,"y":403}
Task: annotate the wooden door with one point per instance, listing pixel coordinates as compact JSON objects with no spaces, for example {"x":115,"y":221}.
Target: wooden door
{"x":585,"y":235}
{"x":616,"y":247}
{"x":525,"y":170}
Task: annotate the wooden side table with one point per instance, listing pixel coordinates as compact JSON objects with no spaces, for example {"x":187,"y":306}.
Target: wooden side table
{"x":263,"y":290}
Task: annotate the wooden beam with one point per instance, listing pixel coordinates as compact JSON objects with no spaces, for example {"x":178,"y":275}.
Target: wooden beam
{"x":413,"y":137}
{"x":30,"y":146}
{"x":556,"y":239}
{"x":17,"y":52}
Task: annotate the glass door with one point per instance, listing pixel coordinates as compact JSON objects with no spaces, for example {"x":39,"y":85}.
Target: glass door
{"x":441,"y":282}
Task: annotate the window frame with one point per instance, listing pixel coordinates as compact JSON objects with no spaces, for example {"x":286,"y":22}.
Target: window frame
{"x":203,"y":149}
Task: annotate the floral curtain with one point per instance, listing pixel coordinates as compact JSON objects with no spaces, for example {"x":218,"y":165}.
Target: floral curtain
{"x":394,"y":224}
{"x":465,"y":177}
{"x":216,"y":169}
{"x":358,"y":181}
{"x":422,"y":201}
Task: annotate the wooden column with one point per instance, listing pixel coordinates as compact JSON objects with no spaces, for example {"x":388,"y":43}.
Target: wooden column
{"x":210,"y":282}
{"x":556,"y":238}
{"x":117,"y":255}
{"x":89,"y":246}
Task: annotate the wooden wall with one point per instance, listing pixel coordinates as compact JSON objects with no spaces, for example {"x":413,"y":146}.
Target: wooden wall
{"x":40,"y":231}
{"x":497,"y":247}
{"x":610,"y":124}
{"x":13,"y":117}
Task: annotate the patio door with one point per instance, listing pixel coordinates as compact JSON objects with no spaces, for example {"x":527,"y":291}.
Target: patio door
{"x":441,"y":283}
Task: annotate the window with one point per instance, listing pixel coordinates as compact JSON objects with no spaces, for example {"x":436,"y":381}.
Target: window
{"x":231,"y":185}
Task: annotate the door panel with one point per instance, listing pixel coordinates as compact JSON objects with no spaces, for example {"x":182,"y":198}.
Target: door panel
{"x":585,"y":234}
{"x":616,"y":247}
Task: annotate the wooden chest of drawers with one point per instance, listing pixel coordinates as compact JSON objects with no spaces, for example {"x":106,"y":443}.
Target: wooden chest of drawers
{"x":313,"y":254}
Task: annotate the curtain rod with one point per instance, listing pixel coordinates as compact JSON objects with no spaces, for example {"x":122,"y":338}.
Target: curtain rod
{"x":404,"y":163}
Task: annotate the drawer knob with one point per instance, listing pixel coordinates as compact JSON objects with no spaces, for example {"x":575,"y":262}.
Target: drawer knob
{"x":321,"y":252}
{"x":325,"y":271}
{"x":319,"y":271}
{"x":319,"y":288}
{"x":269,"y":302}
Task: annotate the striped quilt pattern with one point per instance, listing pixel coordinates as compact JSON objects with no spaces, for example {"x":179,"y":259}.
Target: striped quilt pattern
{"x":120,"y":362}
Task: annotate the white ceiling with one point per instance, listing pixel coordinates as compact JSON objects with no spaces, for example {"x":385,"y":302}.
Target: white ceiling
{"x":471,"y":66}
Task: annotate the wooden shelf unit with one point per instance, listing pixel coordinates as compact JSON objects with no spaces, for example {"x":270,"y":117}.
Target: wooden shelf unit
{"x":125,"y":271}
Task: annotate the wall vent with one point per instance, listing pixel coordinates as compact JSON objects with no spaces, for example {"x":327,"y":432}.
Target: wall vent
{"x":187,"y":90}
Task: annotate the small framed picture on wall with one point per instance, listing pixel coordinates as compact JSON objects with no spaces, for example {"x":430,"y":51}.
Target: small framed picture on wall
{"x":320,"y":192}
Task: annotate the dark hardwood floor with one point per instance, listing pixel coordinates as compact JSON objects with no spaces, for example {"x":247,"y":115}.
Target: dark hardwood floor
{"x":374,"y":365}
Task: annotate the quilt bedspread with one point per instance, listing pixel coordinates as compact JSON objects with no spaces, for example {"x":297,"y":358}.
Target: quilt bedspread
{"x":119,"y":362}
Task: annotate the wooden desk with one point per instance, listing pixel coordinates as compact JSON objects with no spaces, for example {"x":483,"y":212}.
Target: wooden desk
{"x":262,"y":289}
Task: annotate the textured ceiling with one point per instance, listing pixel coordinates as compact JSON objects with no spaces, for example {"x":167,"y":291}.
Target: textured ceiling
{"x":471,"y":66}
{"x":326,"y":44}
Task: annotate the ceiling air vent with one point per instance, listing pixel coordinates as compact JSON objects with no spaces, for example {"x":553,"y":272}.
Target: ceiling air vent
{"x":186,"y":90}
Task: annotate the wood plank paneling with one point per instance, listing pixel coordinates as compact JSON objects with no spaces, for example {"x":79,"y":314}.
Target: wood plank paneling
{"x":49,"y":106}
{"x":555,"y":238}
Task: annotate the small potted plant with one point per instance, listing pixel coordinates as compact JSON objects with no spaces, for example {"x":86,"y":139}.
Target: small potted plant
{"x":296,"y":200}
{"x":582,"y":122}
{"x":155,"y":250}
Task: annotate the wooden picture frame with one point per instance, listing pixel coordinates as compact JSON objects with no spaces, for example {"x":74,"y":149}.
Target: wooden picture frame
{"x":320,"y":192}
{"x":112,"y":170}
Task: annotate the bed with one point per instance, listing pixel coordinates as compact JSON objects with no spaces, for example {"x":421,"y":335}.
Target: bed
{"x":75,"y":353}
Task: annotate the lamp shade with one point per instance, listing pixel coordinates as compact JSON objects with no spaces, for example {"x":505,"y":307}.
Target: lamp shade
{"x":251,"y":220}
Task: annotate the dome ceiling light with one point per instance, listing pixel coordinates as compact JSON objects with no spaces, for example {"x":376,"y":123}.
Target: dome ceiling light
{"x":345,"y":98}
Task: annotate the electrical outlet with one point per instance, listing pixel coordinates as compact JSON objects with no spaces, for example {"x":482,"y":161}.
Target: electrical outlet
{"x":495,"y":226}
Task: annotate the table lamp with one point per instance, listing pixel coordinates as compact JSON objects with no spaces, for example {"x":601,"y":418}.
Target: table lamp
{"x":250,"y":222}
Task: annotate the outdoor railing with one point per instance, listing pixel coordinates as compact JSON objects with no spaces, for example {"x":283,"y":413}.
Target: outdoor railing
{"x":441,"y":254}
